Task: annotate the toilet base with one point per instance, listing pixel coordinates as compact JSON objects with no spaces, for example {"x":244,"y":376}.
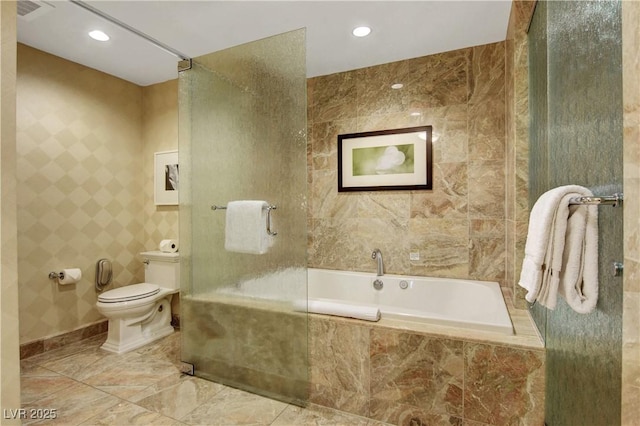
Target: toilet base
{"x":127,"y":334}
{"x":120,"y":348}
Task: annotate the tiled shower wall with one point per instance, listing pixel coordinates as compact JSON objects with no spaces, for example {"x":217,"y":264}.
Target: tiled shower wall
{"x":459,"y":227}
{"x":85,"y":145}
{"x":517,"y":141}
{"x":408,"y":378}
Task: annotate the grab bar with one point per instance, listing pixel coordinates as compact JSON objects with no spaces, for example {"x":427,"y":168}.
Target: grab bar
{"x":614,"y":200}
{"x":268,"y":208}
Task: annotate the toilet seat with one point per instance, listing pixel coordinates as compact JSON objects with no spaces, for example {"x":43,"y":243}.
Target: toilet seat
{"x":129,"y":293}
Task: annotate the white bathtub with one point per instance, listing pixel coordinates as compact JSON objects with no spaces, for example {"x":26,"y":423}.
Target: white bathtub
{"x":444,"y":301}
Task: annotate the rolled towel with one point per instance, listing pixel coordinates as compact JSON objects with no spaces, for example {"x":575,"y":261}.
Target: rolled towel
{"x":579,"y":276}
{"x":340,"y":309}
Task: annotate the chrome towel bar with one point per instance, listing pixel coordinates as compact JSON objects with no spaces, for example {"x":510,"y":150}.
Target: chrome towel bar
{"x":267,"y":208}
{"x":614,"y":200}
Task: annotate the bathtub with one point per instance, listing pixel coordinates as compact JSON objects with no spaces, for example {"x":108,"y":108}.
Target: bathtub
{"x":470,"y":304}
{"x":444,"y":301}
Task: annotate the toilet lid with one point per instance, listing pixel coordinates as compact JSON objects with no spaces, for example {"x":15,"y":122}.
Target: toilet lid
{"x":129,"y":292}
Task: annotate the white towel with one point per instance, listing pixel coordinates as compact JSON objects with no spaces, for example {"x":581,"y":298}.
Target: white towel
{"x":550,"y":230}
{"x":341,"y":309}
{"x":579,"y":277}
{"x":246,"y":227}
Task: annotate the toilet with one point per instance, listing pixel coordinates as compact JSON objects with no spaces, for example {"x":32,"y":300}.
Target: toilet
{"x":141,"y":313}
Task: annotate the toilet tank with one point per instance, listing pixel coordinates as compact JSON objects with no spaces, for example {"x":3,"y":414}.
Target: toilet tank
{"x":162,"y":269}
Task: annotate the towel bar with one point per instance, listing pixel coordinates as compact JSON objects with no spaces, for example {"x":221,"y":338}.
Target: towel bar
{"x":268,"y":208}
{"x":614,"y":200}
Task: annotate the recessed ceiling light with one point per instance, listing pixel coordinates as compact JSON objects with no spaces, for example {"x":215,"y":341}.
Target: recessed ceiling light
{"x":397,"y":86}
{"x":361,"y":31}
{"x":415,"y":114}
{"x":98,"y":35}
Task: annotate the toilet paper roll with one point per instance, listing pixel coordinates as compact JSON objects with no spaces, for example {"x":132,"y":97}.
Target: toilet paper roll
{"x":70,"y":276}
{"x":169,"y":246}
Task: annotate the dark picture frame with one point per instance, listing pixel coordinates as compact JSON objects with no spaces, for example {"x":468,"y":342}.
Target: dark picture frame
{"x":385,"y":160}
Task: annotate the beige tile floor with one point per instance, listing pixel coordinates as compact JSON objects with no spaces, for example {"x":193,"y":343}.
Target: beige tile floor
{"x":88,"y":386}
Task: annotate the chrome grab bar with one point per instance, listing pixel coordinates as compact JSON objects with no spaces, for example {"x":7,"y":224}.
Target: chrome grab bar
{"x":268,"y":224}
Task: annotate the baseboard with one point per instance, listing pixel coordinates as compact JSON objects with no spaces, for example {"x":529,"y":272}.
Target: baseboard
{"x":44,"y":345}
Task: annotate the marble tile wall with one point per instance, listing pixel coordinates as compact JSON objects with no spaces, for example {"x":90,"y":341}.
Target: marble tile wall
{"x":459,"y":227}
{"x":406,"y":378}
{"x":631,"y":141}
{"x":248,"y":347}
{"x":517,"y":141}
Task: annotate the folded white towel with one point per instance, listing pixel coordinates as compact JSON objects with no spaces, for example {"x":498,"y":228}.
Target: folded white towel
{"x":246,"y":227}
{"x":546,"y":256}
{"x":341,"y":309}
{"x":579,"y":276}
{"x":548,"y":295}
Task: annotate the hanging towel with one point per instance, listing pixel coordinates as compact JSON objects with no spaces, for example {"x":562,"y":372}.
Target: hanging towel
{"x":246,"y":227}
{"x":545,"y":256}
{"x":579,"y":276}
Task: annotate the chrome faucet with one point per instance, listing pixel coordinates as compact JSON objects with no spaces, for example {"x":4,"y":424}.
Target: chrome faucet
{"x":377,"y":255}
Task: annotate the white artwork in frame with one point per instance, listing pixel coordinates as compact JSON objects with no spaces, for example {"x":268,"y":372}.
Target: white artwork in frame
{"x":166,"y":178}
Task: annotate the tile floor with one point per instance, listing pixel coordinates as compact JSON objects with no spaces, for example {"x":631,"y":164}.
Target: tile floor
{"x":88,"y":386}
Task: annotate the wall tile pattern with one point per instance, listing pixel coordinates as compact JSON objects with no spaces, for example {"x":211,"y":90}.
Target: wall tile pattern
{"x":517,"y":141}
{"x":404,"y":377}
{"x":459,"y":227}
{"x":86,"y":167}
{"x":631,"y":141}
{"x":9,"y":334}
{"x":159,"y":133}
{"x":79,"y":187}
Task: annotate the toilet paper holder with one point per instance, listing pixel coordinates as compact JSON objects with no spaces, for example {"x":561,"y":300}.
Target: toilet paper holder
{"x":56,"y":275}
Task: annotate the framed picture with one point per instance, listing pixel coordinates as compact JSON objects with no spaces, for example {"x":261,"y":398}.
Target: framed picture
{"x":166,"y":178}
{"x":399,"y":159}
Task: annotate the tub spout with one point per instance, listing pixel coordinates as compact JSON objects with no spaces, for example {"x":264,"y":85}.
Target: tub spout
{"x":377,"y":255}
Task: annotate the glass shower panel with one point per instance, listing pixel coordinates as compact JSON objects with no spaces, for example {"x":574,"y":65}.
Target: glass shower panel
{"x":243,"y":137}
{"x":578,"y":44}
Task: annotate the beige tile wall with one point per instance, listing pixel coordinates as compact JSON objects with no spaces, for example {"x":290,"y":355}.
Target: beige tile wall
{"x":459,"y":227}
{"x":9,"y":335}
{"x":79,"y":187}
{"x":631,"y":307}
{"x":85,"y":184}
{"x":82,"y":139}
{"x":159,"y":133}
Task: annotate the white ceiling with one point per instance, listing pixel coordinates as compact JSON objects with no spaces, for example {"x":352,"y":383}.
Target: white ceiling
{"x":400,"y":30}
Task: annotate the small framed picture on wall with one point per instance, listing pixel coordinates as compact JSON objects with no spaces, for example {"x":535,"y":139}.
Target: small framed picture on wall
{"x":166,"y":180}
